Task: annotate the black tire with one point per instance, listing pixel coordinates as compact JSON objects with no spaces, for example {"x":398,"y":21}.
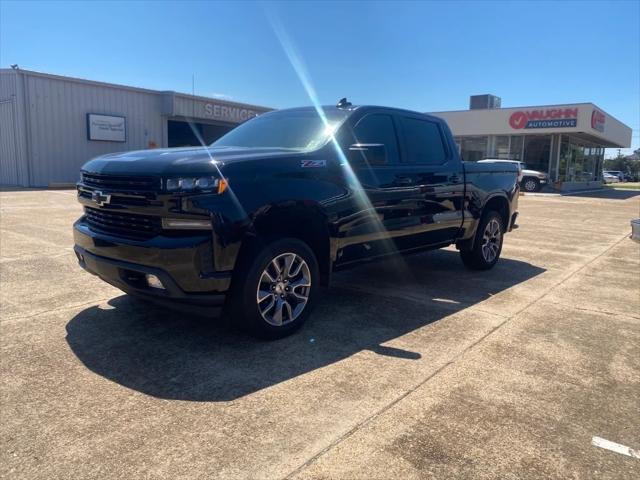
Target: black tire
{"x":530,"y":184}
{"x":244,"y":308}
{"x":476,"y":259}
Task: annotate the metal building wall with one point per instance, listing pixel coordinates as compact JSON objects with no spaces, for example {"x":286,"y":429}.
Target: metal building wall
{"x":44,"y":122}
{"x":57,"y":110}
{"x":13,"y":144}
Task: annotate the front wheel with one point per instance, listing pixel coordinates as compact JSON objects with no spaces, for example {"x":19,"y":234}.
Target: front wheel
{"x":487,"y":245}
{"x":274,"y":288}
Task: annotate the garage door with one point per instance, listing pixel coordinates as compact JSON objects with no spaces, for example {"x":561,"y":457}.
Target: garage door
{"x":8,"y":145}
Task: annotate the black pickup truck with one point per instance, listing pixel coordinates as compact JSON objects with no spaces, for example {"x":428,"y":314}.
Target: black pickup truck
{"x":257,"y":221}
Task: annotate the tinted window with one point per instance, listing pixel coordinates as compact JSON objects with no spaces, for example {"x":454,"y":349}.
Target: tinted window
{"x":424,"y":142}
{"x":378,"y":128}
{"x":301,"y":129}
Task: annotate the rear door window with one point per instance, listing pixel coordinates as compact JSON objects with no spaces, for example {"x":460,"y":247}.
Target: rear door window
{"x":424,"y":141}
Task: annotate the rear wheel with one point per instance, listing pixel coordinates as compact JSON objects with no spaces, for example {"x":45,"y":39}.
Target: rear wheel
{"x":531,"y":184}
{"x":488,"y":243}
{"x":275,"y":288}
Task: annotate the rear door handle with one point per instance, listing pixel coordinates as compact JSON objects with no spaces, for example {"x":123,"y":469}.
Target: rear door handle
{"x":401,"y":180}
{"x":454,"y":178}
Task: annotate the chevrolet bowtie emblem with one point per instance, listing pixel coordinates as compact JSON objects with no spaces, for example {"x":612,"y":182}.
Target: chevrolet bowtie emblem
{"x":100,"y":198}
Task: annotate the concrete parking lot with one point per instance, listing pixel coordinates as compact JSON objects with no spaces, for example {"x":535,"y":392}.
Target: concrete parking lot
{"x":409,"y":368}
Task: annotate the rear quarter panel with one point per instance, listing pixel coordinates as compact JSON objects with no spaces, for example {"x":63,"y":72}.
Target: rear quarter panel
{"x":484,"y":181}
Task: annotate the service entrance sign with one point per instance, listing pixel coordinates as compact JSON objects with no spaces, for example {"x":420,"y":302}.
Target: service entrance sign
{"x":106,"y":128}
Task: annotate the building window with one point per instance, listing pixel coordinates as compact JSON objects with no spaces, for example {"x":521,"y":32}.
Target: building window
{"x":502,"y":147}
{"x":473,"y":148}
{"x":537,"y":152}
{"x":515,"y":147}
{"x":580,"y":161}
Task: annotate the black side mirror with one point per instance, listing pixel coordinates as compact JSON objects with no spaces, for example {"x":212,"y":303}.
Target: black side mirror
{"x":368,"y":154}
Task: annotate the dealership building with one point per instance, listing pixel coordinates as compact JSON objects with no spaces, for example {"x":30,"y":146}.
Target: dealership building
{"x":50,"y":125}
{"x":565,"y":141}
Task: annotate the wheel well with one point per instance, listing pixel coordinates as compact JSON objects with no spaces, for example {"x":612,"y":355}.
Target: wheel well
{"x":501,"y":205}
{"x":304,"y":223}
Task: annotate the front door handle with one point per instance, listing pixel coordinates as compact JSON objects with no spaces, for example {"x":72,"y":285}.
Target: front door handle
{"x":454,"y":178}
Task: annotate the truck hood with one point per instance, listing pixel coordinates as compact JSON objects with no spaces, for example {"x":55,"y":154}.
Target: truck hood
{"x":180,"y":161}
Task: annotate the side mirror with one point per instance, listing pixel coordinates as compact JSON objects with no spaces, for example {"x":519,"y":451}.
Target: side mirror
{"x":368,"y":154}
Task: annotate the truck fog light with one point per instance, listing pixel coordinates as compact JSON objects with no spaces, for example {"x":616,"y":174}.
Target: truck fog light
{"x":186,"y":224}
{"x":153,"y":281}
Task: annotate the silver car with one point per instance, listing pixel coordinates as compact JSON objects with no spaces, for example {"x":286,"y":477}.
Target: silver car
{"x":615,"y":173}
{"x":609,"y":177}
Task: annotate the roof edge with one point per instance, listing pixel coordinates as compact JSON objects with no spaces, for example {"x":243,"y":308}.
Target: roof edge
{"x":125,"y":87}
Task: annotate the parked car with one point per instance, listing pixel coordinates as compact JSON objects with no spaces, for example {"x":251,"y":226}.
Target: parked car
{"x":608,"y":177}
{"x":531,"y":180}
{"x":616,"y":173}
{"x":257,"y":221}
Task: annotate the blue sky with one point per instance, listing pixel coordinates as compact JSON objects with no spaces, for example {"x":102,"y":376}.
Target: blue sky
{"x":426,"y":56}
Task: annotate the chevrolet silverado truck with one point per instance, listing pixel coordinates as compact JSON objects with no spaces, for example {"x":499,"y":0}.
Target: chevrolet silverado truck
{"x":255,"y":223}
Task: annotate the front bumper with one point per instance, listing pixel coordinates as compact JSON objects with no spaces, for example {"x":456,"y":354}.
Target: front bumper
{"x":183,"y":265}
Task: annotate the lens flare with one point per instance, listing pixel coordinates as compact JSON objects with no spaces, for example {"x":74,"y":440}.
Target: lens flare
{"x":295,"y":59}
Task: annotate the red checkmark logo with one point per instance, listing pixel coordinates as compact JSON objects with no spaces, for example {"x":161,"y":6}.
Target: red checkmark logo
{"x":518,"y":120}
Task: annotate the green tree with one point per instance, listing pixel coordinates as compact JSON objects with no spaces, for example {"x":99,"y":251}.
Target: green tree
{"x":627,"y":164}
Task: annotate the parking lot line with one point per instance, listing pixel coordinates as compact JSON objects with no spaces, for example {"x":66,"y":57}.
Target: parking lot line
{"x":615,"y":447}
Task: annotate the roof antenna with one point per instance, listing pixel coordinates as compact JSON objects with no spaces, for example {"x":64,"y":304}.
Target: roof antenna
{"x":343,"y":103}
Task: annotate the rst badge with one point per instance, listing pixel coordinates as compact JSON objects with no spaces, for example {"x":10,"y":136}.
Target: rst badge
{"x":313,"y":163}
{"x":100,"y":198}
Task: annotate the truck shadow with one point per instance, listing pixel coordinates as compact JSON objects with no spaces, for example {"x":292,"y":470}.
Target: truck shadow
{"x":174,"y":356}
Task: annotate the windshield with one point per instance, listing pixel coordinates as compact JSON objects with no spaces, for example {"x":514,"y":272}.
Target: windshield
{"x":289,"y":129}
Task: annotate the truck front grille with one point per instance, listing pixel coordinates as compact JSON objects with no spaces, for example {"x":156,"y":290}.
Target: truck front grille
{"x":121,"y":182}
{"x":123,"y":224}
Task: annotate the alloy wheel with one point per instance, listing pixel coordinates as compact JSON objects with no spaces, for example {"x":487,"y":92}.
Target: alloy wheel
{"x":530,"y":185}
{"x":283,"y":289}
{"x":491,"y":240}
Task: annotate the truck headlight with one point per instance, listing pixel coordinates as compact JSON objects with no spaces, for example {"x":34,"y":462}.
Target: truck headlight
{"x":189,"y":184}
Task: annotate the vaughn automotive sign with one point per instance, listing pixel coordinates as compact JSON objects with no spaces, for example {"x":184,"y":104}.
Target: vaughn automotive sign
{"x":544,"y":118}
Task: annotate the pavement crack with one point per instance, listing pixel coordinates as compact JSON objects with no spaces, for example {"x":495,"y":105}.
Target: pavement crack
{"x":443,"y":367}
{"x":19,"y":318}
{"x":600,"y":312}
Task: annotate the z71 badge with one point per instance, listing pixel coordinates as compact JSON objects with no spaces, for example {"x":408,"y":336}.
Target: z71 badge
{"x":313,"y":163}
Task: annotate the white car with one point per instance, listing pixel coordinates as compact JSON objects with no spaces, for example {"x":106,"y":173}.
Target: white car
{"x":610,"y":178}
{"x":530,"y":180}
{"x":615,"y":173}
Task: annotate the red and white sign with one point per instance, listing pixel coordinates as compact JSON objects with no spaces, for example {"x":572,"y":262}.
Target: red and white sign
{"x":545,"y":118}
{"x":597,"y":120}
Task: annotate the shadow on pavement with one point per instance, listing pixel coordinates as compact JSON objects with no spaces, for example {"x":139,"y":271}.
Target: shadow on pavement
{"x":174,"y":356}
{"x":607,"y":193}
